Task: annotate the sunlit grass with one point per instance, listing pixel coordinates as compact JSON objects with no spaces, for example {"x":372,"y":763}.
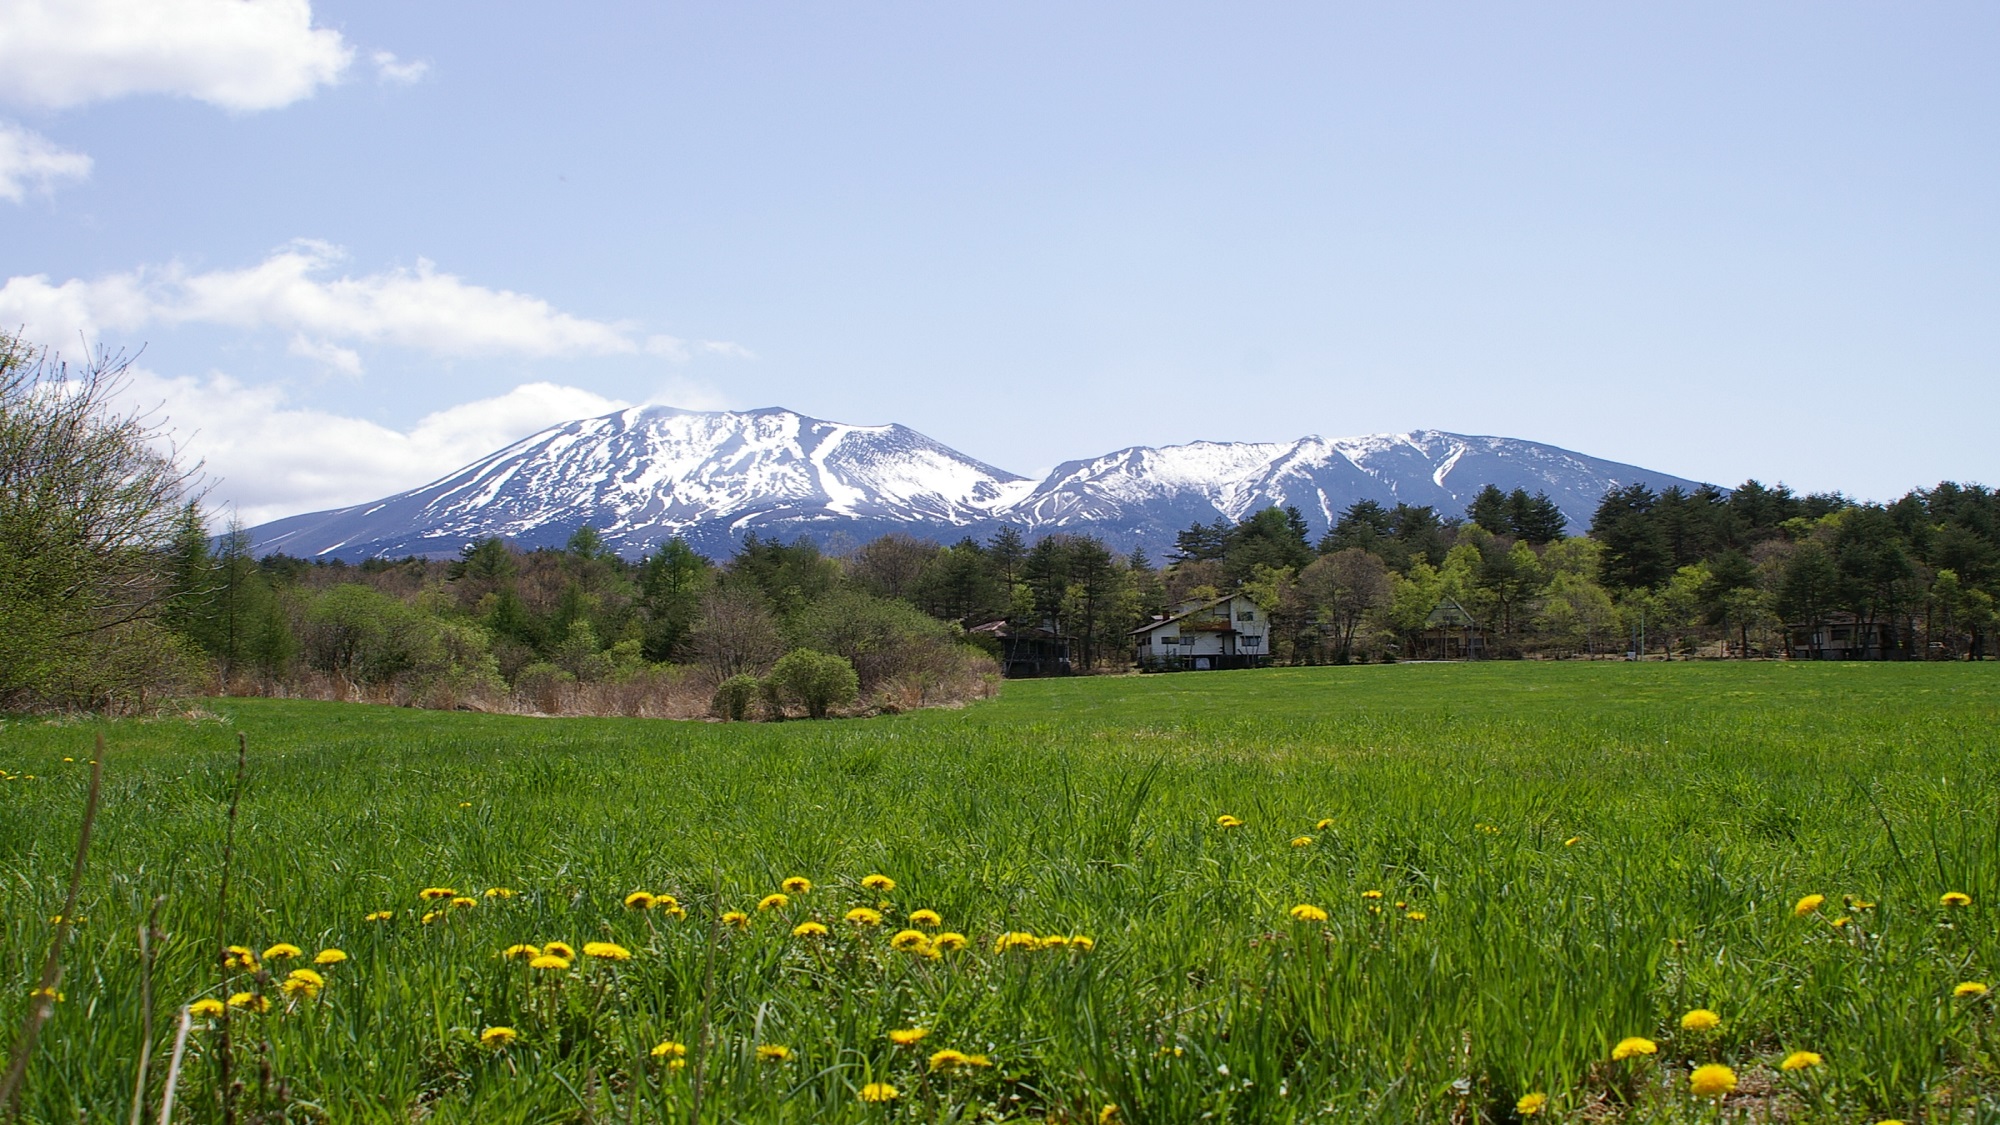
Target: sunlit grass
{"x":1567,"y":856}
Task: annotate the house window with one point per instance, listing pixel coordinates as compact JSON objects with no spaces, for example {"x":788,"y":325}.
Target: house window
{"x":1247,"y":615}
{"x":1252,"y":642}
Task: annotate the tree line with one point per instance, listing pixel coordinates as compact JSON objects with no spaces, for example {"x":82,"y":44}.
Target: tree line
{"x":113,"y":590}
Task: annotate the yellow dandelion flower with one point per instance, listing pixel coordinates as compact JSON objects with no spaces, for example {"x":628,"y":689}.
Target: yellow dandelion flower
{"x":639,"y":900}
{"x":1082,"y":943}
{"x":880,"y":883}
{"x":1400,"y":905}
{"x":379,"y":916}
{"x":670,"y":1050}
{"x":431,"y":894}
{"x":206,"y":1008}
{"x":1712,"y":1081}
{"x":1841,"y":922}
{"x":949,"y":942}
{"x":809,"y":929}
{"x":559,"y":949}
{"x":606,"y":951}
{"x":1302,"y":841}
{"x":239,"y":958}
{"x":1807,"y":905}
{"x":250,"y":1002}
{"x":735,"y":918}
{"x":329,"y":957}
{"x":1572,"y":841}
{"x":667,"y":902}
{"x":1800,"y":1060}
{"x":978,"y":1060}
{"x":1955,"y":898}
{"x":773,"y":902}
{"x":1325,"y":823}
{"x":1053,"y":941}
{"x":796,"y":885}
{"x":1227,"y":821}
{"x":1416,"y":916}
{"x":1371,"y":894}
{"x":1015,"y":940}
{"x":499,"y":892}
{"x":281,"y":951}
{"x":879,"y":1092}
{"x":1307,"y":912}
{"x":1700,"y":1019}
{"x":1969,"y":990}
{"x":303,"y":982}
{"x":909,"y":940}
{"x":49,"y":994}
{"x":465,"y":804}
{"x":928,"y":919}
{"x":773,"y":1052}
{"x":1108,"y":1115}
{"x":1531,"y":1104}
{"x":521,"y":952}
{"x":498,"y":1037}
{"x":429,"y":917}
{"x":464,"y":903}
{"x":949,"y":1059}
{"x":549,"y":962}
{"x":1890,"y":1121}
{"x":863,"y":916}
{"x":906,"y":1036}
{"x":1632,"y":1047}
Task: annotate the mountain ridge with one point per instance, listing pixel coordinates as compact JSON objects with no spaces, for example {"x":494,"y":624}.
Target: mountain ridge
{"x":645,"y":474}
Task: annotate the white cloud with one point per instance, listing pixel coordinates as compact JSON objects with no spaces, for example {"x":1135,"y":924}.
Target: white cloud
{"x":268,"y":458}
{"x":237,"y":54}
{"x":346,"y":361}
{"x":389,"y":68}
{"x":671,"y":348}
{"x":30,"y":161}
{"x":422,"y":308}
{"x":727,"y":350}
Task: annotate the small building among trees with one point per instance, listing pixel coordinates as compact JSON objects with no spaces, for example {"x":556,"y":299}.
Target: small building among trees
{"x":1028,"y":650}
{"x":1226,"y":632}
{"x":1842,"y":636}
{"x":1450,"y":633}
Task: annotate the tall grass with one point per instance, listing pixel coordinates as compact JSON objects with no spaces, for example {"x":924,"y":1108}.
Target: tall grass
{"x":1594,"y":850}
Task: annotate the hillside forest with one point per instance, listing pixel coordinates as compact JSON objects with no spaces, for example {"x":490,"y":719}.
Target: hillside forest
{"x":115,"y":594}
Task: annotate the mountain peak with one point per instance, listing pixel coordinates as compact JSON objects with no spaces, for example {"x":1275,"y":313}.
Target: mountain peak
{"x":649,"y":473}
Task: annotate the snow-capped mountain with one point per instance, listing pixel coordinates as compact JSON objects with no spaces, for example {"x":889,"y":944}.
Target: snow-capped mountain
{"x":1149,"y":494}
{"x":644,"y":475}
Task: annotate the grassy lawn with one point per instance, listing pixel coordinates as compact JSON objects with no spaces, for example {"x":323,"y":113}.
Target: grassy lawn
{"x":1567,"y":855}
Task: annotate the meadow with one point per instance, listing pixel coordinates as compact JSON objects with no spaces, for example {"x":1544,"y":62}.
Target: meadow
{"x":1385,"y":893}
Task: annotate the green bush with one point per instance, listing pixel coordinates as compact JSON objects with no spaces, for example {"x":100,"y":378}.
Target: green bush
{"x":733,"y":697}
{"x":817,"y":681}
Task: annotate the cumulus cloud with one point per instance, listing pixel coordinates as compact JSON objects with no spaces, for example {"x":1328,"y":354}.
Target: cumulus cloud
{"x":30,"y":161}
{"x":268,"y":457}
{"x":290,"y":291}
{"x":389,"y":68}
{"x":237,"y":54}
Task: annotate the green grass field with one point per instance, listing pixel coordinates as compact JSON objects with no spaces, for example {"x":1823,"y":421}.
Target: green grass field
{"x":1567,"y":855}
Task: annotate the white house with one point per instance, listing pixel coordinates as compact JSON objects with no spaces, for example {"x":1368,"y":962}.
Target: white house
{"x":1225,"y":632}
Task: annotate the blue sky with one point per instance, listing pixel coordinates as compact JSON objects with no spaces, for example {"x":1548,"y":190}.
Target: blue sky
{"x":362,"y":243}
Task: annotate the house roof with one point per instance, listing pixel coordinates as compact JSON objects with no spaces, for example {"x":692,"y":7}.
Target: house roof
{"x":1449,"y":612}
{"x":1188,"y":612}
{"x":1018,"y":632}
